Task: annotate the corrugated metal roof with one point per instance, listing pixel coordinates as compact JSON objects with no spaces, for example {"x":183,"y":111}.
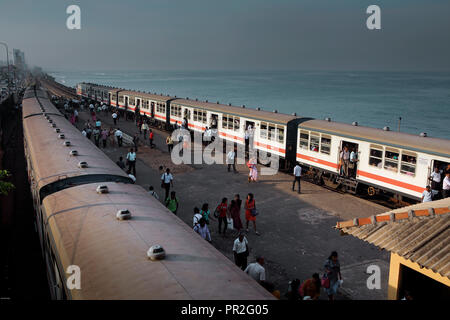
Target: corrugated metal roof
{"x":420,"y":234}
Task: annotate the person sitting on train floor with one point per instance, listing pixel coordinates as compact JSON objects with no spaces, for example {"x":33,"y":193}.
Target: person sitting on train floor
{"x":120,"y":163}
{"x":256,"y":270}
{"x":427,"y":195}
{"x":153,"y":193}
{"x":131,"y":176}
{"x":202,"y":229}
{"x":446,"y":186}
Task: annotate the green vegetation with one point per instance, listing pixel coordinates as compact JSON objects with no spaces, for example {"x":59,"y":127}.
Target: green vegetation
{"x":5,"y":187}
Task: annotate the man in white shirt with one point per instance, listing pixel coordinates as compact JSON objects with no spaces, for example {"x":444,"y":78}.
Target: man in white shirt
{"x":256,"y":270}
{"x":427,"y":195}
{"x":202,"y":229}
{"x":119,"y":136}
{"x":446,"y":186}
{"x":297,"y":176}
{"x":231,"y":160}
{"x":240,"y":250}
{"x":435,"y":179}
{"x":167,"y":181}
{"x":114,"y":116}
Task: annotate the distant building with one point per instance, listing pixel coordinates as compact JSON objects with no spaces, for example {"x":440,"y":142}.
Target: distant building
{"x":418,"y":239}
{"x":19,"y":59}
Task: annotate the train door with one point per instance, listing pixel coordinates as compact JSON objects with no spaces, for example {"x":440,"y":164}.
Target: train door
{"x":443,"y":168}
{"x":249,"y":134}
{"x":138,"y":108}
{"x":187,"y":117}
{"x":109,"y":98}
{"x":348,"y":168}
{"x":152,"y":110}
{"x":214,"y":121}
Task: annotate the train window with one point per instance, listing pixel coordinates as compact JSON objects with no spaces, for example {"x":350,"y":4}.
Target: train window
{"x":263,"y":130}
{"x":408,"y":165}
{"x":224,"y":121}
{"x":271,"y":132}
{"x":325,"y":144}
{"x":304,"y":139}
{"x":204,"y":117}
{"x":391,"y":159}
{"x":131,"y":101}
{"x":230,"y":122}
{"x":121,"y":99}
{"x":280,"y":134}
{"x":187,"y":114}
{"x":315,"y":139}
{"x":376,"y":156}
{"x":237,"y":123}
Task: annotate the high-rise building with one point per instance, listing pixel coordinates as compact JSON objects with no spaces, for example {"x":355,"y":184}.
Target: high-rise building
{"x":19,"y":59}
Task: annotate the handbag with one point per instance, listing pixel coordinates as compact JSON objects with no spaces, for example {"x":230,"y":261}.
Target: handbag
{"x":254,"y":212}
{"x":325,"y":282}
{"x":216,"y":212}
{"x":230,"y":223}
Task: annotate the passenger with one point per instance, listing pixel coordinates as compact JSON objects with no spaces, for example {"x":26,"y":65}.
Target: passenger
{"x":114,"y":116}
{"x":84,"y":132}
{"x":256,"y":270}
{"x":131,"y":159}
{"x":120,"y":163}
{"x":136,"y":141}
{"x":202,"y":229}
{"x":345,"y":160}
{"x":253,"y":174}
{"x":206,"y":214}
{"x":119,"y":136}
{"x":172,"y":203}
{"x":104,"y":136}
{"x":98,"y":123}
{"x":250,"y":211}
{"x":235,"y":213}
{"x":151,"y":136}
{"x":446,"y":186}
{"x":153,"y":193}
{"x":131,"y":176}
{"x":333,"y":273}
{"x":353,"y":163}
{"x":88,"y":132}
{"x":94,"y":118}
{"x":169,"y":143}
{"x":427,"y":195}
{"x":112,"y":139}
{"x":222,"y":208}
{"x":166,"y":182}
{"x":240,"y":251}
{"x":197,"y":216}
{"x":435,"y":179}
{"x":297,"y":177}
{"x":144,"y":128}
{"x":96,"y":133}
{"x":231,"y":160}
{"x":311,"y":288}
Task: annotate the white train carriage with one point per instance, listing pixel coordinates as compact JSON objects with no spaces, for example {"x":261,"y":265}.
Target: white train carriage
{"x":269,"y":129}
{"x":391,"y":161}
{"x":83,"y":89}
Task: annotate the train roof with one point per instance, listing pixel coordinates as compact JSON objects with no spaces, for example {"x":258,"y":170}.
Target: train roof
{"x":239,"y":111}
{"x":147,"y":95}
{"x":52,"y":161}
{"x":112,"y":254}
{"x":403,"y":140}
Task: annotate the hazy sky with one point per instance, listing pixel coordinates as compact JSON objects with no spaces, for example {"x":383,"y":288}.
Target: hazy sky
{"x":229,"y":34}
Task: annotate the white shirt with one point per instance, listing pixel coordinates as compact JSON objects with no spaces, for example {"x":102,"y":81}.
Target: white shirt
{"x":131,"y":156}
{"x":297,"y":171}
{"x":154,"y":194}
{"x":446,"y":184}
{"x":196,"y":219}
{"x":132,"y":177}
{"x":167,"y":178}
{"x":118,"y":133}
{"x":436,"y":176}
{"x":75,"y":113}
{"x":114,"y":115}
{"x":240,"y":247}
{"x":83,"y":133}
{"x":230,"y":157}
{"x":426,"y":196}
{"x":256,"y":271}
{"x":203,"y":232}
{"x":352,"y":156}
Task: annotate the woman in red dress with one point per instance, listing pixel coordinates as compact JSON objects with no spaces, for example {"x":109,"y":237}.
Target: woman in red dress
{"x":249,"y":206}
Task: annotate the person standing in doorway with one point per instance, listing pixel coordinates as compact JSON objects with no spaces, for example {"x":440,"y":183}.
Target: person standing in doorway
{"x":435,"y":179}
{"x":297,"y":177}
{"x":345,"y":160}
{"x":131,"y":158}
{"x":446,"y":186}
{"x":166,"y":182}
{"x":427,"y":195}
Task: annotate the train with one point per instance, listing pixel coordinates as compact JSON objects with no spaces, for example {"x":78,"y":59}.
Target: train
{"x":395,"y":163}
{"x":81,"y":199}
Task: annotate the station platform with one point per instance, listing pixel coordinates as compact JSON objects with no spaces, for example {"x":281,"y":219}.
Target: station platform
{"x":297,"y":230}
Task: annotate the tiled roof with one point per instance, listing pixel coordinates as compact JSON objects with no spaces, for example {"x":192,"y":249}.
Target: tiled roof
{"x":419,"y":233}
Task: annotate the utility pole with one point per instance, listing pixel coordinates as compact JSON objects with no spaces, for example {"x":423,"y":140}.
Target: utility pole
{"x":7,"y":61}
{"x":399,"y":120}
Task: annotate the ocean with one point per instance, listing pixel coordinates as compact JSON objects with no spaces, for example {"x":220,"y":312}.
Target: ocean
{"x":375,"y":99}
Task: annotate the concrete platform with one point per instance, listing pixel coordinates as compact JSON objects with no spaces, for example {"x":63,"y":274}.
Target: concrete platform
{"x":297,"y":231}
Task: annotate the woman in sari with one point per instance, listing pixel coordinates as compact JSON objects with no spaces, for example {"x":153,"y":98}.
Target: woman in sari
{"x":235,"y":213}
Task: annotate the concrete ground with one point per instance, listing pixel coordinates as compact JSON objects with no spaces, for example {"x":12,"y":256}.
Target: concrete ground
{"x":297,"y":233}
